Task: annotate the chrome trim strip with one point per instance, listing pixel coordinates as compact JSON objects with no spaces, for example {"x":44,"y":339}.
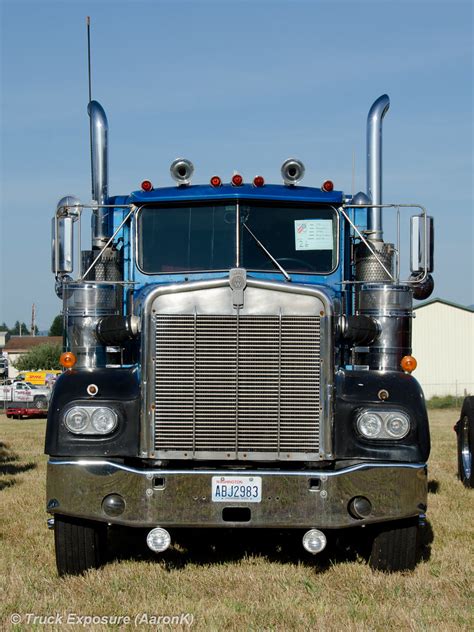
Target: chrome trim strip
{"x":248,"y":472}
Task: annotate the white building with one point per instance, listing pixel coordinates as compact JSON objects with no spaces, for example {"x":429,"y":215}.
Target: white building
{"x":443,"y":345}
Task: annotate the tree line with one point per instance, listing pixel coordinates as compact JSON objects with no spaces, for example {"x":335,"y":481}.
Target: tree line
{"x":21,"y":329}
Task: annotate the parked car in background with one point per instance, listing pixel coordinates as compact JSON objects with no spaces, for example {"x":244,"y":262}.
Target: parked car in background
{"x":22,"y":412}
{"x":24,"y":392}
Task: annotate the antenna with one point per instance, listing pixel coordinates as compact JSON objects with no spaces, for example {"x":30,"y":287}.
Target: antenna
{"x":353,"y":171}
{"x":88,"y":22}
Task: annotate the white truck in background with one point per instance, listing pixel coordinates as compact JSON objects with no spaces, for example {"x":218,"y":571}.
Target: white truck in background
{"x":23,"y":392}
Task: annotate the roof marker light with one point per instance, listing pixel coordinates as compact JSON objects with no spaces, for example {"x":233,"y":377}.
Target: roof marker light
{"x":258,"y":181}
{"x":237,"y":180}
{"x":327,"y":185}
{"x":216,"y":181}
{"x":146,"y":185}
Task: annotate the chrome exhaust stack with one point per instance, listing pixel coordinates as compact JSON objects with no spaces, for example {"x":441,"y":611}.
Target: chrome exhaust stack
{"x":378,"y":267}
{"x":100,"y":172}
{"x":374,"y":164}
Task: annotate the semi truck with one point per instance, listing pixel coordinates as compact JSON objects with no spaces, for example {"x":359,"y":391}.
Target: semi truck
{"x":238,"y":356}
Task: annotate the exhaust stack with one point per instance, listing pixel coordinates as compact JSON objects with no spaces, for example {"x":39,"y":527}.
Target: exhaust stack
{"x":374,"y":164}
{"x":99,"y":167}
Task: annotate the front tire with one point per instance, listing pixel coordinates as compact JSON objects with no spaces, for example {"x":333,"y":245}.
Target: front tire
{"x":465,"y":439}
{"x":80,"y":544}
{"x":395,"y":546}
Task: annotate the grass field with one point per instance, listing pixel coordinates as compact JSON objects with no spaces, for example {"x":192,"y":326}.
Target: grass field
{"x":245,"y":584}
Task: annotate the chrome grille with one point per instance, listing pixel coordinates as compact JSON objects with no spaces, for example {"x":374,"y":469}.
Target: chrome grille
{"x":237,"y":386}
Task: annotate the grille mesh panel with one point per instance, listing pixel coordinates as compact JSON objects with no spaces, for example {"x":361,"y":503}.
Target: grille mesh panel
{"x":233,"y":385}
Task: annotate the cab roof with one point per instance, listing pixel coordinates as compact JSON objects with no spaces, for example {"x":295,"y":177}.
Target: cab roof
{"x":270,"y":192}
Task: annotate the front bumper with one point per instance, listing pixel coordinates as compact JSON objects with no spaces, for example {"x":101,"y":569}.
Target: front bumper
{"x":182,"y":498}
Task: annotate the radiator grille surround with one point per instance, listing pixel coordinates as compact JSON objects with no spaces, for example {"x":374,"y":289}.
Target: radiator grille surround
{"x":236,"y":386}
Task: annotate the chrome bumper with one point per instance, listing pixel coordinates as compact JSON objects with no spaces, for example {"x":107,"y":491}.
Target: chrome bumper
{"x":182,"y":498}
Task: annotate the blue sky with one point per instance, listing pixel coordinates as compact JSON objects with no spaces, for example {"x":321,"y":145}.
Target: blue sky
{"x":233,"y":86}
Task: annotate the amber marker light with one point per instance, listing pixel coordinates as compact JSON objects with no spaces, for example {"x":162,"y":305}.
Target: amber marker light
{"x":408,"y":363}
{"x":67,"y":359}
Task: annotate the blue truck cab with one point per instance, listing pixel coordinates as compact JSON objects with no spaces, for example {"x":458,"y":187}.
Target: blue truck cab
{"x":237,"y":355}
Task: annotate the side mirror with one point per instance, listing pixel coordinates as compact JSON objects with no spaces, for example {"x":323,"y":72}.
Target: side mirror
{"x":62,"y":244}
{"x":68,"y":211}
{"x":422,"y":243}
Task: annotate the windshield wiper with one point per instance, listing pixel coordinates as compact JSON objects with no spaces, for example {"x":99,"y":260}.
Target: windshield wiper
{"x":270,"y":256}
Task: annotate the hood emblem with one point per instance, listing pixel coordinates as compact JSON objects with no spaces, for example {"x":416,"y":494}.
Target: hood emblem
{"x":238,"y":283}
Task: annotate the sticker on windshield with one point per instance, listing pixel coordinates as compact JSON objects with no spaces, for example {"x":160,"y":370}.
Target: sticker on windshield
{"x":313,"y":234}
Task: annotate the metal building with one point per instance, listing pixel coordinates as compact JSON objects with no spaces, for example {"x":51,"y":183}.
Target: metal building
{"x":443,"y":344}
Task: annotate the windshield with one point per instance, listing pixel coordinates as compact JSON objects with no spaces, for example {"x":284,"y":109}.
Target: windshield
{"x":203,"y":237}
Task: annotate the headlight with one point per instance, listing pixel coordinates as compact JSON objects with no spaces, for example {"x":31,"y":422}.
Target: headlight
{"x":369,"y":425}
{"x":76,"y":420}
{"x":387,"y":424}
{"x":90,"y":420}
{"x":103,"y":420}
{"x":397,"y":425}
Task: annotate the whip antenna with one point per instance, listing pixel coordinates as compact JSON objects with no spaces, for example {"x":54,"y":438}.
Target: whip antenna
{"x":88,"y":21}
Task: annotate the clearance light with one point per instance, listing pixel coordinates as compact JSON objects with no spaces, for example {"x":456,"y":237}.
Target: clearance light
{"x":147,"y":185}
{"x":237,"y":180}
{"x":215,"y":181}
{"x":67,"y":359}
{"x":258,"y":181}
{"x":408,"y":363}
{"x":327,"y":186}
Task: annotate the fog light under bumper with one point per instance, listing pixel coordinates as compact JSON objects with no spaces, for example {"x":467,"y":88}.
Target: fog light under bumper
{"x":314,"y":541}
{"x":158,"y":539}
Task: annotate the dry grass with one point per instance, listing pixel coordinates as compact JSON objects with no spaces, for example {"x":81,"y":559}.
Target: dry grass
{"x":248,"y":586}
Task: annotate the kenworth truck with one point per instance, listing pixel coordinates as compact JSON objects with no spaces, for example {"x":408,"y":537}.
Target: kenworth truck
{"x":238,"y":355}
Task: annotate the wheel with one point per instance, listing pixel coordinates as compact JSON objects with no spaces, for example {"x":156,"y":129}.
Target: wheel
{"x":9,"y":416}
{"x":40,"y":402}
{"x":465,"y":439}
{"x":79,"y":544}
{"x":395,"y":546}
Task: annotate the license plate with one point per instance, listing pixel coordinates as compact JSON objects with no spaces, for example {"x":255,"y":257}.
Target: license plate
{"x":230,"y":489}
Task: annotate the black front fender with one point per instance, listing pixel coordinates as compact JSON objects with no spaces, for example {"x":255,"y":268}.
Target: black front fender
{"x":118,"y":389}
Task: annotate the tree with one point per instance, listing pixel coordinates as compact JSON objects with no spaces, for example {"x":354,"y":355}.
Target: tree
{"x":57,"y":326}
{"x":40,"y":358}
{"x":19,"y":328}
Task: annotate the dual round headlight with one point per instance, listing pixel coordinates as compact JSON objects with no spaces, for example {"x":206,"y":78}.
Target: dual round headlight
{"x":383,"y":425}
{"x":91,"y":420}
